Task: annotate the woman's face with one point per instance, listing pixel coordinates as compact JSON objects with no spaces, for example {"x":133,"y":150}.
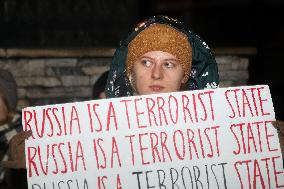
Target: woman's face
{"x":3,"y":111}
{"x":157,"y":72}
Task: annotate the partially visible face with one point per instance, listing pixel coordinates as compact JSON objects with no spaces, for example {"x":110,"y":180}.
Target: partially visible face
{"x":102,"y":95}
{"x":157,"y":72}
{"x":3,"y":111}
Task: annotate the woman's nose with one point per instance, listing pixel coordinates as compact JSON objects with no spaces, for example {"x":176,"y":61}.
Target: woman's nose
{"x":157,"y":72}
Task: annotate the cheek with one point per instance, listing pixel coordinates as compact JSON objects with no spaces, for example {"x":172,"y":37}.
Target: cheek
{"x":139,"y":81}
{"x":176,"y":85}
{"x":178,"y":79}
{"x":177,"y":75}
{"x":139,"y":75}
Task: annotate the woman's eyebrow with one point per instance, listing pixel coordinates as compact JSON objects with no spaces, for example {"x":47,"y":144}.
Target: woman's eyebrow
{"x":171,"y":59}
{"x":168,"y":59}
{"x":146,"y":57}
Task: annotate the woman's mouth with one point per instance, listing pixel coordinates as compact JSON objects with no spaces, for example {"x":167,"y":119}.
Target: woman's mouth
{"x":156,"y":88}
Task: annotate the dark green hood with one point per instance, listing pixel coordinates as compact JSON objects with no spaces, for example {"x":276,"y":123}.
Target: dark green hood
{"x":204,"y":71}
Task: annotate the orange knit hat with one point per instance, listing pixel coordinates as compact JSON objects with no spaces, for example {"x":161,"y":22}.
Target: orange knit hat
{"x":160,"y":37}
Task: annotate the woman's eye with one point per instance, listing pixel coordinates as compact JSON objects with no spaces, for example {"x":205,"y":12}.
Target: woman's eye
{"x":169,"y":65}
{"x":146,"y":63}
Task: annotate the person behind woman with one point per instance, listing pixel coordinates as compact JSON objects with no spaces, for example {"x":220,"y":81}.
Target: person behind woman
{"x":99,"y":87}
{"x":10,"y":125}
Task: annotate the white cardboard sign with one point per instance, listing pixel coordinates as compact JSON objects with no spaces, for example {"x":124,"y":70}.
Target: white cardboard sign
{"x":221,"y":138}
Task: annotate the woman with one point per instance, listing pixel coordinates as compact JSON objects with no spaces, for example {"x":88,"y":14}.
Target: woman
{"x":99,"y":87}
{"x":172,"y":46}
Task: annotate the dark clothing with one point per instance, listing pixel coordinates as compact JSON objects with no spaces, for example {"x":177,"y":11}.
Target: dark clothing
{"x":204,"y":71}
{"x":11,"y":177}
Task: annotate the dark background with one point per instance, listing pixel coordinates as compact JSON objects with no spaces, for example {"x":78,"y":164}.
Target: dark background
{"x":103,"y":23}
{"x":237,"y":23}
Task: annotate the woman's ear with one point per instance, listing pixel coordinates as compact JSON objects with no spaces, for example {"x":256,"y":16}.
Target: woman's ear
{"x":184,"y":86}
{"x":131,"y":79}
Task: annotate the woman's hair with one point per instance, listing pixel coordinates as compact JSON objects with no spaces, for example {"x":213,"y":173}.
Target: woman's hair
{"x":5,"y":100}
{"x":8,"y":86}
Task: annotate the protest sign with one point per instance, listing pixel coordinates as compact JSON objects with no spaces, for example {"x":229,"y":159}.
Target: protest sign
{"x":214,"y":138}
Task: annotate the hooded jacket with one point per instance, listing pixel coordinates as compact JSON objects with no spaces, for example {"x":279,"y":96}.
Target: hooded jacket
{"x":204,"y":71}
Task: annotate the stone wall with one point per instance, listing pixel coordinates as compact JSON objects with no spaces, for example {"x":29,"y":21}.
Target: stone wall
{"x":44,"y":78}
{"x":233,"y":70}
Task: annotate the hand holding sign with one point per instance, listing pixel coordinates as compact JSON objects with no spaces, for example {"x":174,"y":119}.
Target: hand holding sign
{"x":279,"y":125}
{"x":17,"y":151}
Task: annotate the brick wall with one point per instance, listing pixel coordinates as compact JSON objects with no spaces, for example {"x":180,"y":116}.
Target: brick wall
{"x":233,"y":70}
{"x":66,"y":76}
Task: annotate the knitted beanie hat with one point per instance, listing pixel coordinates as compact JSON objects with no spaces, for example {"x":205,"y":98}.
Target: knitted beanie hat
{"x":161,"y":37}
{"x":9,"y":87}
